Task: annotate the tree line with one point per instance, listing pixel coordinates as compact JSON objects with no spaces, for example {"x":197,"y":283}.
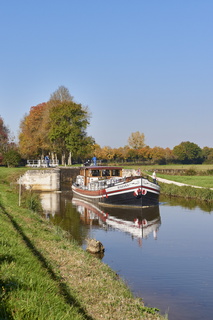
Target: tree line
{"x":58,"y":128}
{"x":184,"y":153}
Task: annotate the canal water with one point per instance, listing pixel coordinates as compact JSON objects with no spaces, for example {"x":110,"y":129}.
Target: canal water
{"x":164,"y":254}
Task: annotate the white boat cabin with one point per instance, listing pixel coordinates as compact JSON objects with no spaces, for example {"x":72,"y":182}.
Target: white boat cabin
{"x":93,"y":174}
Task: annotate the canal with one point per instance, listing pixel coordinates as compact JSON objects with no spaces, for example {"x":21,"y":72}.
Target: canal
{"x":164,"y":254}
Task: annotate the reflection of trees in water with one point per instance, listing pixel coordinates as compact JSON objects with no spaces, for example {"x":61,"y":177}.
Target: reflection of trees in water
{"x":69,"y":220}
{"x":188,"y":203}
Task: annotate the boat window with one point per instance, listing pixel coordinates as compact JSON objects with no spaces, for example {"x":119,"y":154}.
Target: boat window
{"x":115,"y":172}
{"x":95,"y":173}
{"x":105,"y":173}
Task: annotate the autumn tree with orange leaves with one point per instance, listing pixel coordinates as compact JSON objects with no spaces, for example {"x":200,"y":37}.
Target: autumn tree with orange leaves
{"x":33,"y":137}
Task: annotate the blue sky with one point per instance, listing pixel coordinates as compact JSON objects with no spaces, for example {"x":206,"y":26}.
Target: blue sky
{"x":139,"y":65}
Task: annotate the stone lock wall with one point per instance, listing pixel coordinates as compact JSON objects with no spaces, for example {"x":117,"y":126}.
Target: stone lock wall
{"x":41,"y":180}
{"x":68,"y":175}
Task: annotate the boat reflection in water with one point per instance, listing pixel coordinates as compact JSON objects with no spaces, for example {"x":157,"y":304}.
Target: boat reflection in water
{"x":138,"y":222}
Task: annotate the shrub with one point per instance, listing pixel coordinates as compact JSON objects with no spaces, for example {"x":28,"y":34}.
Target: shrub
{"x":32,"y":201}
{"x":210,"y":172}
{"x":191,"y":172}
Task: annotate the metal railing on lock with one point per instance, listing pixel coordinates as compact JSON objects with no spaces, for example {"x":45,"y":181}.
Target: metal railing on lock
{"x":42,"y":163}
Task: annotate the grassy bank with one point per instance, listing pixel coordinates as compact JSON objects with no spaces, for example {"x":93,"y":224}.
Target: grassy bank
{"x":201,"y":181}
{"x":201,"y":194}
{"x":45,"y":276}
{"x":196,"y":167}
{"x":204,"y":193}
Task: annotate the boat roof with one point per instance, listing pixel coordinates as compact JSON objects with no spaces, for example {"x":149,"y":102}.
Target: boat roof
{"x":101,"y":168}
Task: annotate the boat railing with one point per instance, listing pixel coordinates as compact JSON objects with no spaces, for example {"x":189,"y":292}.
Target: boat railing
{"x":106,"y":183}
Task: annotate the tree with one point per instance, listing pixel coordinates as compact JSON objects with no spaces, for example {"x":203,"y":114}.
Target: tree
{"x":61,"y":94}
{"x":68,"y":123}
{"x":4,"y":135}
{"x":126,"y":152}
{"x":34,"y":130}
{"x":169,"y":156}
{"x":107,"y":153}
{"x":144,"y":153}
{"x":11,"y":158}
{"x":188,"y":152}
{"x":97,"y":151}
{"x":208,"y":154}
{"x":4,"y":139}
{"x":136,"y":140}
{"x":118,"y":154}
{"x":158,"y":155}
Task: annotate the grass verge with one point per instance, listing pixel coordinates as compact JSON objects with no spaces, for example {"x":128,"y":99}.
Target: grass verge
{"x":201,"y":194}
{"x":45,"y":276}
{"x":200,"y":181}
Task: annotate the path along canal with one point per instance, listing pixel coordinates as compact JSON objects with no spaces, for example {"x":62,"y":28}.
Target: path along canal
{"x":168,"y":262}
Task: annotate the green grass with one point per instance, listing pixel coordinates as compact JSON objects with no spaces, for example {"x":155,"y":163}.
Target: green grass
{"x":201,"y":181}
{"x":43,"y":275}
{"x":200,"y":194}
{"x":10,"y":175}
{"x":27,"y":288}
